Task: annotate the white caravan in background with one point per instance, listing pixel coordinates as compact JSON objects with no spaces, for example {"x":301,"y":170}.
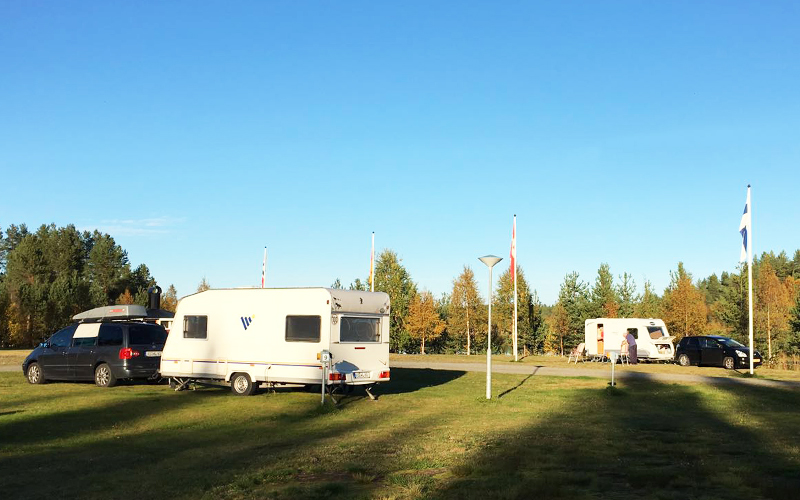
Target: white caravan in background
{"x":254,"y":336}
{"x":653,"y":341}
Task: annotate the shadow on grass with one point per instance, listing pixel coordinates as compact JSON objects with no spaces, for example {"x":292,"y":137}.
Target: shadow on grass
{"x":509,"y":391}
{"x":406,"y":380}
{"x":641,"y":439}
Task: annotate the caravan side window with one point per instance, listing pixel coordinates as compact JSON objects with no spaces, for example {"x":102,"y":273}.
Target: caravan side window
{"x":303,"y":328}
{"x":195,"y":327}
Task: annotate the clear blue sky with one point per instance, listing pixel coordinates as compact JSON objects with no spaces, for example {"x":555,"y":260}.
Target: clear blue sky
{"x":196,"y":133}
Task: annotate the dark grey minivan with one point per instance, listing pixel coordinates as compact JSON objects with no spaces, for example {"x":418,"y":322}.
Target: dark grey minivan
{"x":103,"y":351}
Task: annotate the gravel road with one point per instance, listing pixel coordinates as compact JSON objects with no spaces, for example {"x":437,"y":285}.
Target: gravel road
{"x":620,"y":374}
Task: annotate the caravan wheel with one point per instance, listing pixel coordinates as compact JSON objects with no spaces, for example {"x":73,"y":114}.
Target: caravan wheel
{"x":241,"y":385}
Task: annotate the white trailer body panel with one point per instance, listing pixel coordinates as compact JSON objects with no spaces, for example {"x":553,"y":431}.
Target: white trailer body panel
{"x":653,"y":341}
{"x":275,"y":335}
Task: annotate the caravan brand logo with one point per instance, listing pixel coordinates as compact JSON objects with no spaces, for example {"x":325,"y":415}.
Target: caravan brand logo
{"x":246,"y":321}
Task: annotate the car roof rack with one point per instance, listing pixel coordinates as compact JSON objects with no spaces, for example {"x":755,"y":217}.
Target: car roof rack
{"x":121,"y":312}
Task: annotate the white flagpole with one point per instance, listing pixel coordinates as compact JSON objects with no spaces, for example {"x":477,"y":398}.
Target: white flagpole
{"x":515,"y":287}
{"x":372,"y":265}
{"x":264,"y":268}
{"x":750,"y":275}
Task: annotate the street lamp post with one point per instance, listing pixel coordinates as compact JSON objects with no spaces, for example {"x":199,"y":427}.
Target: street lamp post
{"x":490,"y":261}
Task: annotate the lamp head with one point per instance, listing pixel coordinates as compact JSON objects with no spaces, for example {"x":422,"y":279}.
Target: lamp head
{"x":490,"y":260}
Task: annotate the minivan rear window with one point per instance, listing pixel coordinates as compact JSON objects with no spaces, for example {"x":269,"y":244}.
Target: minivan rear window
{"x":110,"y":335}
{"x":146,"y":334}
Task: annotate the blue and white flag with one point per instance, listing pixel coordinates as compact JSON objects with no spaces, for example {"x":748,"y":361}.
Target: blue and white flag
{"x":745,"y":230}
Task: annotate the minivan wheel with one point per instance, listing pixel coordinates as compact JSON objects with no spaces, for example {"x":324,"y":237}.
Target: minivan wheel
{"x":241,"y":385}
{"x":103,"y":376}
{"x":34,"y":374}
{"x":728,"y":363}
{"x":683,"y":360}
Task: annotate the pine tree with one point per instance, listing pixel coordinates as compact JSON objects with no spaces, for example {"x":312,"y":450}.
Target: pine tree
{"x":604,"y":299}
{"x":106,"y":269}
{"x":626,"y":292}
{"x":358,"y":285}
{"x":649,"y":304}
{"x":731,"y":310}
{"x":574,"y":298}
{"x":203,"y":286}
{"x":391,"y":277}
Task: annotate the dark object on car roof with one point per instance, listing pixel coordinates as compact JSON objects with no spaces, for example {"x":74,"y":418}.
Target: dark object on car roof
{"x":124,"y":312}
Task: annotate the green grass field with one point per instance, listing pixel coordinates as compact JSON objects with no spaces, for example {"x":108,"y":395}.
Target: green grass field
{"x":430,"y":435}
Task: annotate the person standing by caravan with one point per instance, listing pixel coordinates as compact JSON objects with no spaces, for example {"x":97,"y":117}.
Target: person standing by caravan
{"x":600,"y":341}
{"x":631,"y":347}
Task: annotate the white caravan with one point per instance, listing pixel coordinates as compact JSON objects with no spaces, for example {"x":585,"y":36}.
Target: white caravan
{"x":653,"y":341}
{"x":251,"y":336}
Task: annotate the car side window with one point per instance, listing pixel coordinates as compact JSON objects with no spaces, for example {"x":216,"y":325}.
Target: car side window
{"x":692,"y":342}
{"x":63,"y":337}
{"x":707,"y":343}
{"x":84,"y":341}
{"x":110,"y":335}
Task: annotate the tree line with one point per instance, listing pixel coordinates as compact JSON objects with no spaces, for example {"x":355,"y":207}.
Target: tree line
{"x":53,"y":273}
{"x":49,"y":275}
{"x":456,"y":322}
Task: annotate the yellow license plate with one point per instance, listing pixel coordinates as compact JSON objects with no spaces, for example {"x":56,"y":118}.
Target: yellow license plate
{"x":756,"y":359}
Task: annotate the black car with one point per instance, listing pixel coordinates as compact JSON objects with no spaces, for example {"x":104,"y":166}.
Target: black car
{"x":103,"y":351}
{"x":713,"y":350}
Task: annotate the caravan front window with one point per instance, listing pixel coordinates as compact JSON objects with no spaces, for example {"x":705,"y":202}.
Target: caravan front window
{"x":303,"y":328}
{"x":360,"y":329}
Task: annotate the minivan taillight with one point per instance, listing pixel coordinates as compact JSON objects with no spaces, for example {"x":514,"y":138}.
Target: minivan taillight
{"x":127,"y":353}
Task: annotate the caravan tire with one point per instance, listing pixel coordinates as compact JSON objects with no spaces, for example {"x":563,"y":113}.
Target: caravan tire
{"x":241,"y":385}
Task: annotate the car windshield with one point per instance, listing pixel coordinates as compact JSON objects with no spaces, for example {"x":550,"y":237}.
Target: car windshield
{"x":729,"y":342}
